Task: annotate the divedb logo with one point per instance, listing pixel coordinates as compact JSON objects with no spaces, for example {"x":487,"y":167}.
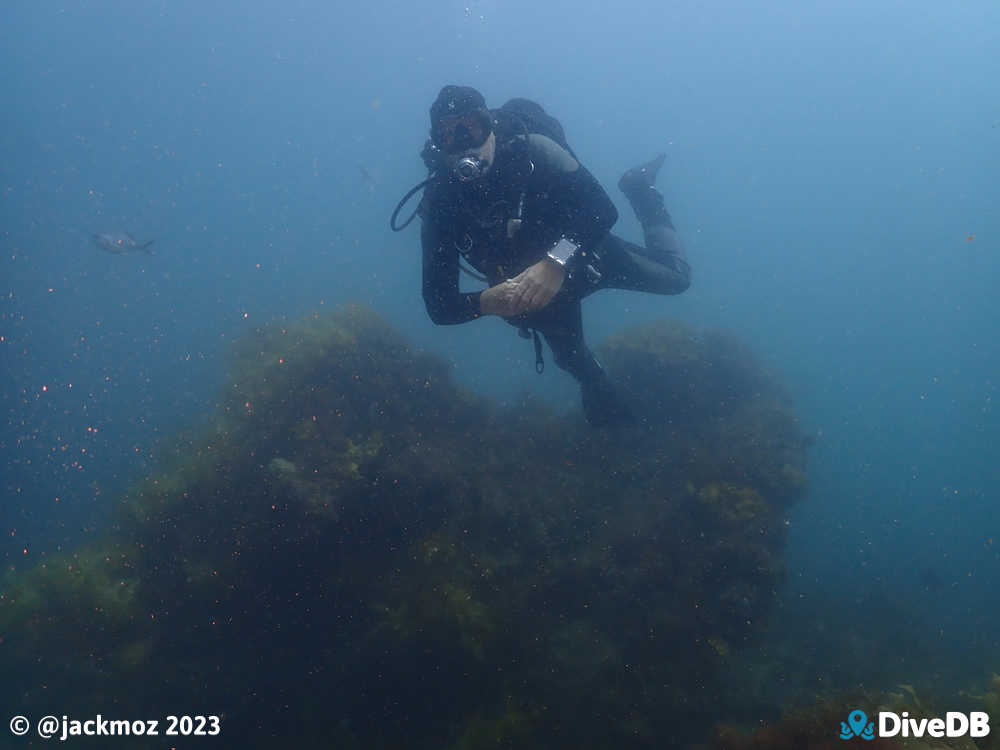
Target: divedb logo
{"x":890,"y":724}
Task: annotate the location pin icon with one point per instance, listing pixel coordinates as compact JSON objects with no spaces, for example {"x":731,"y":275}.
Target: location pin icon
{"x":857,"y":720}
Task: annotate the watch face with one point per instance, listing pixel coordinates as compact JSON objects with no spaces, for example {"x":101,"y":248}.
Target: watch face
{"x":563,"y":251}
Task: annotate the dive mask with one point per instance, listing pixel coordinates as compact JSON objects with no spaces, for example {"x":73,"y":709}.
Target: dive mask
{"x":456,"y":133}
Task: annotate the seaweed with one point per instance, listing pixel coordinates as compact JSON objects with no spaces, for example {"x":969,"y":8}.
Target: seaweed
{"x":402,"y":563}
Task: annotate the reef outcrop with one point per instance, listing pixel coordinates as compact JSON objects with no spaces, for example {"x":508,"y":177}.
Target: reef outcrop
{"x":360,"y":553}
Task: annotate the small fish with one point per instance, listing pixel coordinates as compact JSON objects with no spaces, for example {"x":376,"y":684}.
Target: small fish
{"x":119,"y":243}
{"x":970,"y":238}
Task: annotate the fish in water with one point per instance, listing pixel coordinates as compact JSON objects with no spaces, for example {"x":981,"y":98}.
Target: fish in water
{"x":119,"y":243}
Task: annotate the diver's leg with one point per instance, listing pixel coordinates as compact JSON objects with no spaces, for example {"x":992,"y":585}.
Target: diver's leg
{"x":625,"y":265}
{"x":562,"y":327}
{"x":661,"y":266}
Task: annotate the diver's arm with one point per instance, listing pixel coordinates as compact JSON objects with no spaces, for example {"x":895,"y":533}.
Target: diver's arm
{"x":446,"y":305}
{"x":580,"y":208}
{"x":585,"y":214}
{"x":588,"y":208}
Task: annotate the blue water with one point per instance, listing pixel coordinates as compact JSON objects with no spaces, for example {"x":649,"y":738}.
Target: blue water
{"x":831,"y":166}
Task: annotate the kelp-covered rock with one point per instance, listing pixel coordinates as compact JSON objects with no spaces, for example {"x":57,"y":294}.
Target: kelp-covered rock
{"x":359,"y":553}
{"x":704,"y":390}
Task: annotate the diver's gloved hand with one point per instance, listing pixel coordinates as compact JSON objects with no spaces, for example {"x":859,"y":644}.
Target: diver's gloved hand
{"x":537,"y":285}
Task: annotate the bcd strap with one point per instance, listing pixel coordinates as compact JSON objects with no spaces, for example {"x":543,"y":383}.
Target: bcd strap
{"x":525,"y":333}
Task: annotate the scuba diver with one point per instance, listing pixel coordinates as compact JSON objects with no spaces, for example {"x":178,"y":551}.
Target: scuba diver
{"x":507,"y":194}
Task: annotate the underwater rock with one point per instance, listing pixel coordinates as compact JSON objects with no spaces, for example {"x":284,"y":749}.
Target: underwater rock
{"x":348,"y":528}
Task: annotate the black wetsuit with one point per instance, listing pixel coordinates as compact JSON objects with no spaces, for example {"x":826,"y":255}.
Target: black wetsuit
{"x":535,"y":193}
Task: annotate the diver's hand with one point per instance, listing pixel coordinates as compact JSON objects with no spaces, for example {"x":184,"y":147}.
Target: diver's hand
{"x":497,"y":300}
{"x":537,"y":285}
{"x":529,"y":291}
